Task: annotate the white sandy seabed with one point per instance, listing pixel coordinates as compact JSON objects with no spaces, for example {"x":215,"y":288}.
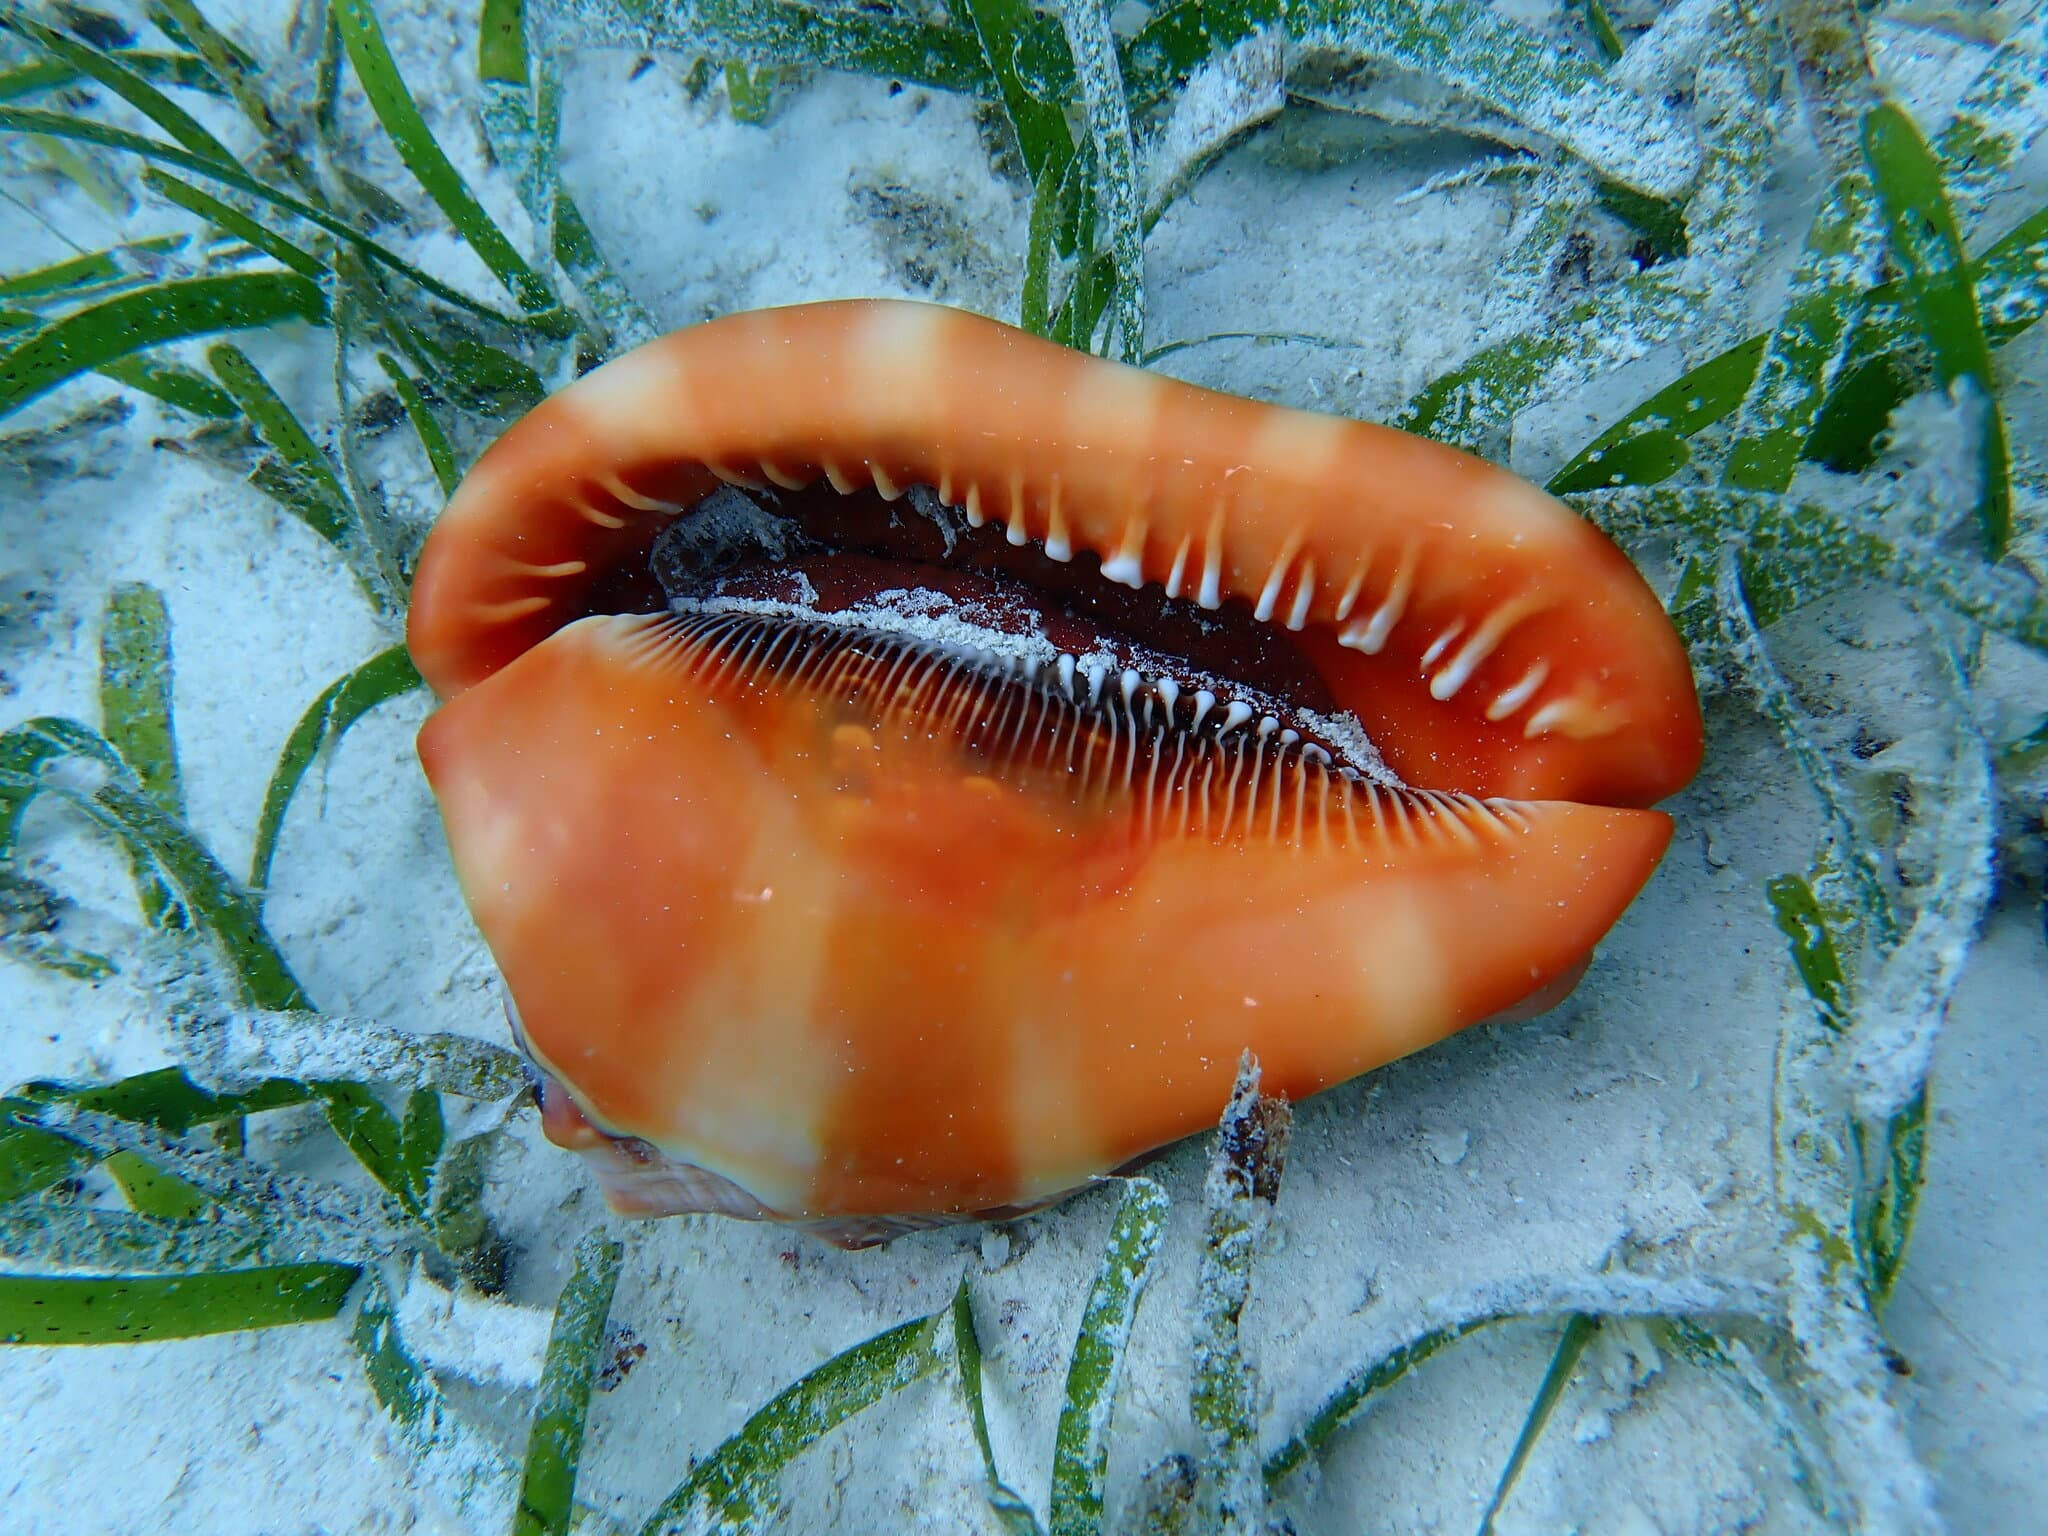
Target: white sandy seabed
{"x":1627,"y":1132}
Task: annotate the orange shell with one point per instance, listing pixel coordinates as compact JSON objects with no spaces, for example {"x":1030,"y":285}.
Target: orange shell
{"x":810,"y":946}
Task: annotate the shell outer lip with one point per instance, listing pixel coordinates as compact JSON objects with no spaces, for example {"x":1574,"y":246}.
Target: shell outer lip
{"x":1073,"y":452}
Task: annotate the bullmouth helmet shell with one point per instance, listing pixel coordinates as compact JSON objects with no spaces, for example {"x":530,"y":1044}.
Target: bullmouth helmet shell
{"x":900,"y":764}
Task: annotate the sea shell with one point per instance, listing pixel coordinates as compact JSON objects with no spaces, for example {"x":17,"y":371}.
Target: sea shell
{"x":826,"y":903}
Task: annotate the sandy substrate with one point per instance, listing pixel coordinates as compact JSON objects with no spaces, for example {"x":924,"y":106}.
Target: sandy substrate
{"x":1625,"y":1135}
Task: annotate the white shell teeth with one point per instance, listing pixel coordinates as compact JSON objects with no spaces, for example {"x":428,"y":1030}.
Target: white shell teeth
{"x":1442,"y":643}
{"x":1235,"y":715}
{"x":1267,"y":726}
{"x":1350,"y":598}
{"x":1124,"y":570}
{"x":1210,"y":594}
{"x":1129,"y":683}
{"x":597,"y":516}
{"x":1176,"y":579}
{"x":1058,"y":545}
{"x":1204,"y":702}
{"x":627,"y":496}
{"x":1514,"y":698}
{"x":1168,"y":691}
{"x":1577,"y":716}
{"x":1485,"y":640}
{"x":1371,"y":636}
{"x":1445,"y":684}
{"x":1304,"y":596}
{"x":1269,"y":596}
{"x":1066,"y":667}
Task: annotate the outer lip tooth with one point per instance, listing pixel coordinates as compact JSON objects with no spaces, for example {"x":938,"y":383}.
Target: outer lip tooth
{"x":1204,"y":702}
{"x":1097,"y":671}
{"x":1131,"y":680}
{"x":1123,"y":569}
{"x":1066,"y":669}
{"x":1442,"y":642}
{"x":1349,"y":600}
{"x":972,"y":509}
{"x":734,"y":477}
{"x":1373,"y":637}
{"x":1123,"y":566}
{"x":1210,"y":594}
{"x":1176,"y":578}
{"x":1445,"y":684}
{"x":1276,"y":579}
{"x":629,"y":497}
{"x":1576,"y":716}
{"x":1267,"y":726}
{"x":1304,"y":597}
{"x":1269,"y":595}
{"x":1234,"y":716}
{"x":598,"y":517}
{"x":1168,"y":691}
{"x":1289,"y":737}
{"x":1485,"y":640}
{"x":559,"y":568}
{"x":1058,"y":545}
{"x":1515,"y":697}
{"x":1015,"y":530}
